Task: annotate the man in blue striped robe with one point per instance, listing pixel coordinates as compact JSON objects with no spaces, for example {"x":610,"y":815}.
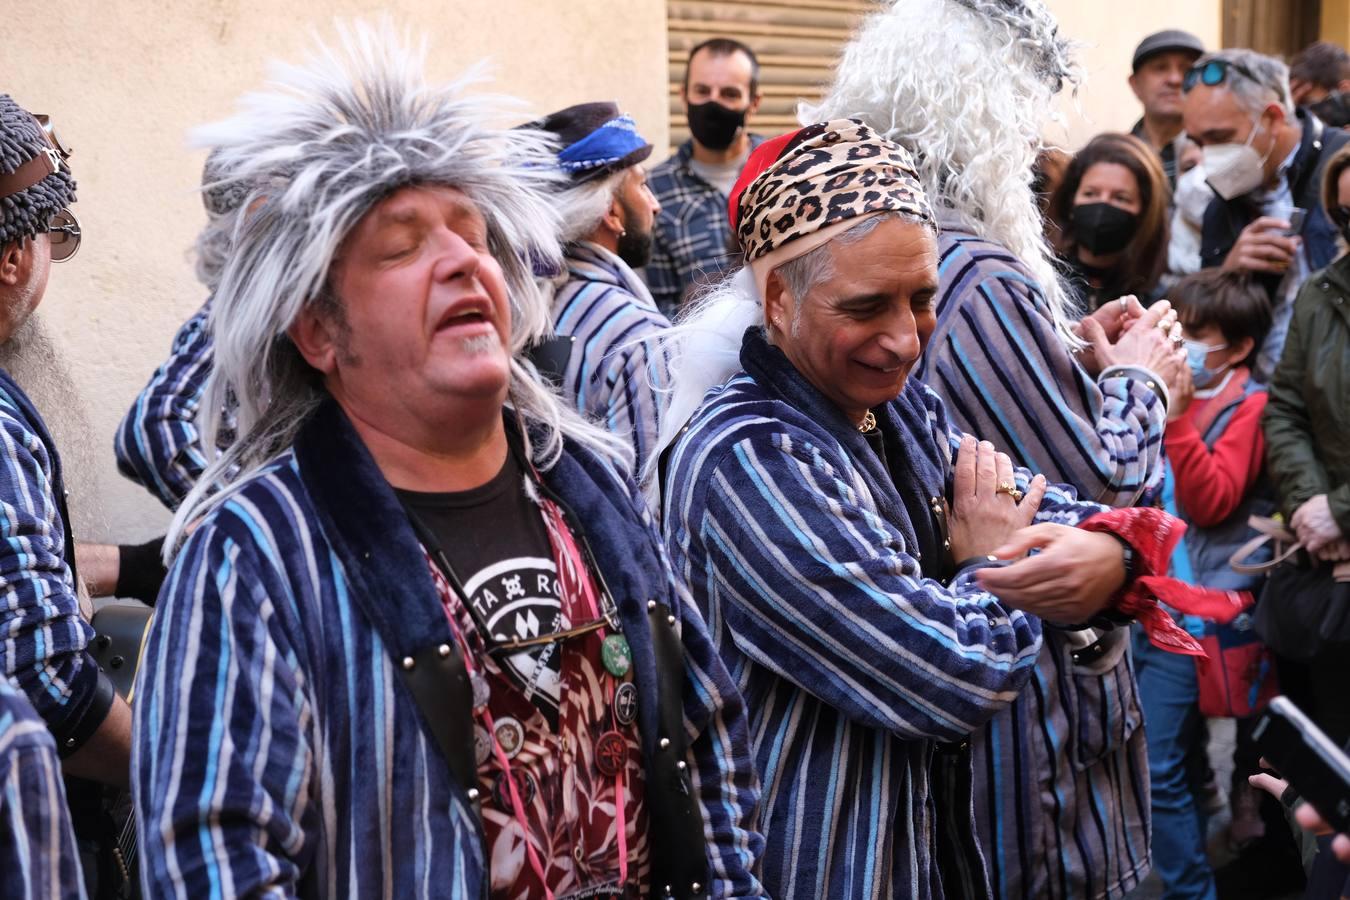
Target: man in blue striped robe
{"x":1062,"y":796}
{"x":309,"y":706}
{"x":615,"y":372}
{"x":813,"y":503}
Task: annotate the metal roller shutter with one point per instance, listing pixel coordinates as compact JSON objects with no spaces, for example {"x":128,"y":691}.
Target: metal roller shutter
{"x":797,"y":42}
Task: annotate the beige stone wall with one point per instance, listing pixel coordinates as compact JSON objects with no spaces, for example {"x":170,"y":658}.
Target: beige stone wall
{"x":1109,"y":30}
{"x":127,"y":79}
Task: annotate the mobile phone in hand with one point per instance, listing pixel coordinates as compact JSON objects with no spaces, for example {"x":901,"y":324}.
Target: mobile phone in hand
{"x":1296,"y":220}
{"x":1307,"y":759}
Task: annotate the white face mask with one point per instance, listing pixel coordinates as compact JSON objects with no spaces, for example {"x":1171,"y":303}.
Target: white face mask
{"x":1235,"y":169}
{"x":1193,"y":195}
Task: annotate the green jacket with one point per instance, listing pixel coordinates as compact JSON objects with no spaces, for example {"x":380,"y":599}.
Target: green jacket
{"x":1307,"y":419}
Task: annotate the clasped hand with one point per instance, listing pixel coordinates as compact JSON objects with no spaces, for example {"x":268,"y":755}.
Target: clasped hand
{"x":1124,"y":334}
{"x":1072,"y":577}
{"x":1316,"y":527}
{"x":981,"y":517}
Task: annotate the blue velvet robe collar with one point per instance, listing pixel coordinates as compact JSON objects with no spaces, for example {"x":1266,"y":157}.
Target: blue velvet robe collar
{"x":918,"y":466}
{"x":370,"y":533}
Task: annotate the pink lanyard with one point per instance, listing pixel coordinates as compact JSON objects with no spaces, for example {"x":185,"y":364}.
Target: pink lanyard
{"x":575,"y":586}
{"x":517,"y":808}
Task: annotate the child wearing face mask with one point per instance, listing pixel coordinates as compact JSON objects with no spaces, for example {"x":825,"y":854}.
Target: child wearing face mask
{"x":1215,"y":452}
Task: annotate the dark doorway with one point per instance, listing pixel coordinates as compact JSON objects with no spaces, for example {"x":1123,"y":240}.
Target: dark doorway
{"x":1277,"y":27}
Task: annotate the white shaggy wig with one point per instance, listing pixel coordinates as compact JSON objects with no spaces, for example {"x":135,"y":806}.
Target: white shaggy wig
{"x":583,"y":206}
{"x":319,"y":148}
{"x":966,"y":86}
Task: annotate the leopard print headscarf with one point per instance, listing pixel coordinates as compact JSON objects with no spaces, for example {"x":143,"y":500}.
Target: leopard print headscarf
{"x":818,"y":177}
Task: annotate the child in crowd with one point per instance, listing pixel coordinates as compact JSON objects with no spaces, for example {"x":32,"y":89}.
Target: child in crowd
{"x":1215,"y":451}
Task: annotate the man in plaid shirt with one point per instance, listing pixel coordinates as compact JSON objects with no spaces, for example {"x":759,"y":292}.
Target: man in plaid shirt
{"x":691,"y":239}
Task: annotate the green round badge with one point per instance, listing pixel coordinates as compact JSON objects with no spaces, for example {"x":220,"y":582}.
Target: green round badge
{"x":614,"y":652}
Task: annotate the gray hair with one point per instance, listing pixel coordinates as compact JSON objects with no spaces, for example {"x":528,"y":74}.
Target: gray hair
{"x":316,"y":152}
{"x":810,"y":269}
{"x":582,"y":206}
{"x":1271,"y":84}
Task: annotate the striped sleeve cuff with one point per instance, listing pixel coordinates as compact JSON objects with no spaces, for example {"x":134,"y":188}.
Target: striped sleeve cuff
{"x":1148,"y":377}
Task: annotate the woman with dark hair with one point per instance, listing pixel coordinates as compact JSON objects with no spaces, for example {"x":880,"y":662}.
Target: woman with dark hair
{"x":1113,"y":206}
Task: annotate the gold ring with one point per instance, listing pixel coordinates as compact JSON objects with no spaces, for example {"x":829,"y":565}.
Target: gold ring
{"x":1007,"y":487}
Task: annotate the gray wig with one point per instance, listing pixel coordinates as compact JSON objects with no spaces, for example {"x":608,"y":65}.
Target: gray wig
{"x":966,"y":86}
{"x":315,"y":152}
{"x":582,"y":206}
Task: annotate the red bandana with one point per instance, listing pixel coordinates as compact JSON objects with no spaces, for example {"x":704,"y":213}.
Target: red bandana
{"x":1154,"y":535}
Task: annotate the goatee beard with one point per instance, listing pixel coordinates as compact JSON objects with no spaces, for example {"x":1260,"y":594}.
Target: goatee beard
{"x":480,"y":344}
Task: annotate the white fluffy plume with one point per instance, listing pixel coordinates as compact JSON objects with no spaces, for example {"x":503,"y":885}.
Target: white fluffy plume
{"x":967,"y":87}
{"x":316,"y":150}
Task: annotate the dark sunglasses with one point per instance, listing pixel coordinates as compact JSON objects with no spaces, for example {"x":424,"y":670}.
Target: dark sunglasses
{"x":1214,"y":72}
{"x":64,"y":234}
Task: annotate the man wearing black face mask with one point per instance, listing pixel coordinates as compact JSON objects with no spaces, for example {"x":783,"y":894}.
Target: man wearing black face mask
{"x":720,"y":96}
{"x":1319,"y":80}
{"x":601,"y":309}
{"x":1264,"y":161}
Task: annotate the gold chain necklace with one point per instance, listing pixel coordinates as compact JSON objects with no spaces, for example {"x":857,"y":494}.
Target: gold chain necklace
{"x":869,"y":422}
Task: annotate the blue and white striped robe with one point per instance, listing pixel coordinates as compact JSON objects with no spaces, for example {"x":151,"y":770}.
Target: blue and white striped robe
{"x":615,"y":375}
{"x":854,"y":666}
{"x":43,"y":638}
{"x":276,"y":748}
{"x":158,"y":444}
{"x":38,"y":858}
{"x":1061,"y":797}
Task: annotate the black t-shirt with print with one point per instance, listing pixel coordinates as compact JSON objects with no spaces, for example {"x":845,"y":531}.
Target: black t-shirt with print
{"x":496,"y":542}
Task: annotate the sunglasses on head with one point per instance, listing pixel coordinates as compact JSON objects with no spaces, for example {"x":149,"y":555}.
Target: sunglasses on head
{"x":1214,"y":72}
{"x":63,"y":231}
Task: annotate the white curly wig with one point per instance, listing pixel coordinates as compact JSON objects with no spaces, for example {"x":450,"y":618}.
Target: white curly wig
{"x":316,"y":151}
{"x":966,"y":86}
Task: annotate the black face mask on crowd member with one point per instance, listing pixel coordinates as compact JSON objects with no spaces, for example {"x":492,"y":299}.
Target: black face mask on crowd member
{"x":1332,"y":109}
{"x":713,"y":125}
{"x":1103,"y":228}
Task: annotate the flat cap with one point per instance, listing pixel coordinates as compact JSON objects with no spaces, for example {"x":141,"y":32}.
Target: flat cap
{"x":1163,"y":41}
